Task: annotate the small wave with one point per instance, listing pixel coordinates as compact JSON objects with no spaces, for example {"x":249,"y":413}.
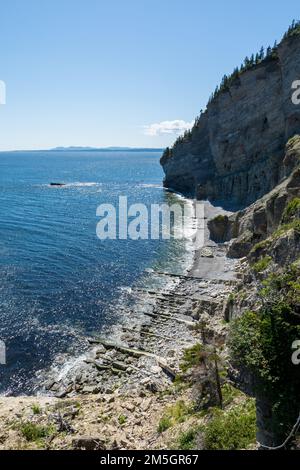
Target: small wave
{"x":79,"y":185}
{"x":148,"y":185}
{"x":75,"y":184}
{"x":126,"y":289}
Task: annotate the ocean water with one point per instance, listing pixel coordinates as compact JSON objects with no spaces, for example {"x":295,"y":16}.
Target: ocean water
{"x":60,"y":284}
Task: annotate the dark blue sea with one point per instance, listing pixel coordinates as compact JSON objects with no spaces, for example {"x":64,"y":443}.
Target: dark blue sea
{"x":60,"y":284}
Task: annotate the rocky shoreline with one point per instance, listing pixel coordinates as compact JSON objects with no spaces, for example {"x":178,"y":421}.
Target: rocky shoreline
{"x":150,"y":345}
{"x":130,"y":377}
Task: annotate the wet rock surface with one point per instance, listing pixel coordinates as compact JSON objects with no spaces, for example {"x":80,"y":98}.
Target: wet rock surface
{"x":149,"y":347}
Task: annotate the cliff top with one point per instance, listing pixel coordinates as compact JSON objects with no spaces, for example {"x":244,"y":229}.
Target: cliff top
{"x":250,"y":63}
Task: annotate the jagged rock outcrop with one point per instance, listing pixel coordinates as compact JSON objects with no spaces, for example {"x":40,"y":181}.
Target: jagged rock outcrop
{"x":244,"y":152}
{"x":235,"y":151}
{"x":255,"y":223}
{"x":268,"y":232}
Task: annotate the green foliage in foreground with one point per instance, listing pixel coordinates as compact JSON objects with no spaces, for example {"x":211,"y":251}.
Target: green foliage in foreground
{"x":262,"y":343}
{"x":192,"y":357}
{"x":262,"y":264}
{"x":284,"y":228}
{"x":35,"y":432}
{"x":36,"y":409}
{"x":122,"y":419}
{"x":233,"y":429}
{"x":164,"y":424}
{"x":174,"y":414}
{"x":230,"y":393}
{"x":260,"y":246}
{"x":291,"y":210}
{"x":187,"y":440}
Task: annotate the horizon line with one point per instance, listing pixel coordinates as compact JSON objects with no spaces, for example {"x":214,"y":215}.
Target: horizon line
{"x":85,"y":148}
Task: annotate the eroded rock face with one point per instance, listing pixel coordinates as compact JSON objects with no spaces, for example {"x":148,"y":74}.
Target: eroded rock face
{"x":220,"y":228}
{"x":235,"y":153}
{"x":254,"y":224}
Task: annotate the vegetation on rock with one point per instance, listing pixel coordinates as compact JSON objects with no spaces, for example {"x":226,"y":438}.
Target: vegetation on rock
{"x":35,"y":432}
{"x":291,"y":210}
{"x":250,"y":62}
{"x":233,"y":429}
{"x":173,"y":415}
{"x":261,"y":342}
{"x":262,"y":264}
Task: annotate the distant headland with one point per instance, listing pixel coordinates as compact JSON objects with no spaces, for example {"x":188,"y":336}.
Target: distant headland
{"x":89,"y":149}
{"x":105,"y":149}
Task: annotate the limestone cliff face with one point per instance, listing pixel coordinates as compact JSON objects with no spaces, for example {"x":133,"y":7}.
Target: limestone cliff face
{"x":255,"y":223}
{"x":235,"y":152}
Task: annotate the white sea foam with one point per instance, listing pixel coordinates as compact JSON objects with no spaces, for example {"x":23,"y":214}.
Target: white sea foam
{"x":64,"y":370}
{"x":149,"y":185}
{"x":79,"y":185}
{"x":75,"y":184}
{"x":189,"y":229}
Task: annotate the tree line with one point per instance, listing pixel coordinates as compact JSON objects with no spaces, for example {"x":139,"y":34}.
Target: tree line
{"x":264,"y":55}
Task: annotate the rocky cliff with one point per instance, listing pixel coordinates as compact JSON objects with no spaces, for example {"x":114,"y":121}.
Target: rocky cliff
{"x":244,"y":152}
{"x":263,"y":312}
{"x":234,"y":154}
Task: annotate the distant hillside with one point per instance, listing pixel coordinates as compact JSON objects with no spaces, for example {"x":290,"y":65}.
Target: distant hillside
{"x":105,"y":149}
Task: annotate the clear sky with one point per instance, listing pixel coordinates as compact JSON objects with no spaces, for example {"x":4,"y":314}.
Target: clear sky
{"x":109,"y":72}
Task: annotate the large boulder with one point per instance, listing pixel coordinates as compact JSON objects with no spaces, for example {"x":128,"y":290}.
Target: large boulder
{"x":219,"y":228}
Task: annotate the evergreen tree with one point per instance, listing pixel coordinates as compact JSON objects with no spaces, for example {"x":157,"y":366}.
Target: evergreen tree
{"x":246,"y":62}
{"x":262,"y":53}
{"x":269,"y":53}
{"x":236,"y":73}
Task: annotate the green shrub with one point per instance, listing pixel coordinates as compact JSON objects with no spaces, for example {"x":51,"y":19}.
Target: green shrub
{"x":122,"y":419}
{"x":231,"y":430}
{"x":287,"y":225}
{"x":260,"y":246}
{"x":192,"y":357}
{"x":284,"y":228}
{"x":229,"y":393}
{"x":261,"y":342}
{"x":232,"y":297}
{"x":35,"y":432}
{"x":173,"y":415}
{"x":262,"y":264}
{"x":36,"y":409}
{"x":164,"y":424}
{"x":179,"y":411}
{"x":291,"y":210}
{"x":186,"y":440}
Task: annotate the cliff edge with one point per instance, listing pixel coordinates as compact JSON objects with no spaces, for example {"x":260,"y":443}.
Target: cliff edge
{"x":234,"y":153}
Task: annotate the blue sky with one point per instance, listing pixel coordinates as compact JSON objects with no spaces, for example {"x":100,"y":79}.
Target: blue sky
{"x":97,"y":72}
